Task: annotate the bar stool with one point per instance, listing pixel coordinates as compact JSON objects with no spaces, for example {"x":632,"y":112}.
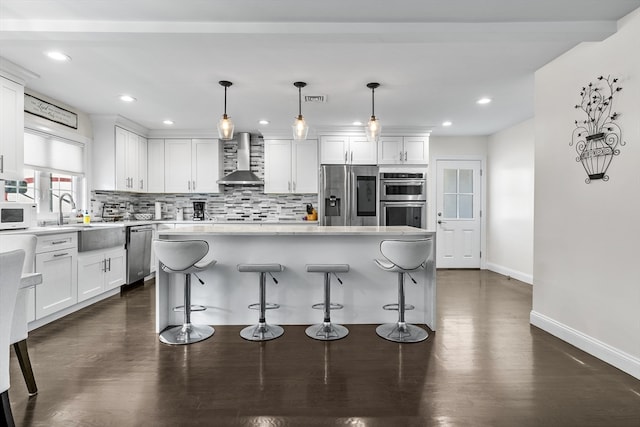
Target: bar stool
{"x":327,"y":331}
{"x":185,"y":257}
{"x":262,"y":331}
{"x":403,"y":256}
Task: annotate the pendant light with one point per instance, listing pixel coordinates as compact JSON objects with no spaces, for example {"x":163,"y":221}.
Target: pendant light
{"x":225,"y":125}
{"x":300,"y":128}
{"x":373,"y":127}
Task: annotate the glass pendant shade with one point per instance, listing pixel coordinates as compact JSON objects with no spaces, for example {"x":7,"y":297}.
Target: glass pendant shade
{"x":373,"y":129}
{"x":300,"y":128}
{"x":225,"y":128}
{"x":225,"y":125}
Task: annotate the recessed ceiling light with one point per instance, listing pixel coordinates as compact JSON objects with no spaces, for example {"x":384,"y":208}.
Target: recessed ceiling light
{"x":447,"y":123}
{"x":127,"y":98}
{"x":357,"y":123}
{"x":58,"y":56}
{"x":168,"y":122}
{"x":483,"y":101}
{"x":263,"y":122}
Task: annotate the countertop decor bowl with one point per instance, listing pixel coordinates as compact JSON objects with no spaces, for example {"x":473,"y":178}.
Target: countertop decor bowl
{"x":143,"y":216}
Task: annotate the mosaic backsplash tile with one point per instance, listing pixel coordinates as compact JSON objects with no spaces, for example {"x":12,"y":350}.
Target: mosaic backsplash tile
{"x":236,"y":203}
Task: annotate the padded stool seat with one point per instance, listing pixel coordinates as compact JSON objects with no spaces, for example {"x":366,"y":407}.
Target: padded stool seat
{"x":327,"y":331}
{"x":262,"y":331}
{"x":185,"y":257}
{"x":402,"y":257}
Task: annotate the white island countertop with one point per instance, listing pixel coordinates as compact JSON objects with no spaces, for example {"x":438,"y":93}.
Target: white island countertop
{"x":288,"y":229}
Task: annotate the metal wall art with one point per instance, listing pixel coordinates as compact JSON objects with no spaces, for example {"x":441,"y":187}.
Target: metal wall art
{"x":597,"y":137}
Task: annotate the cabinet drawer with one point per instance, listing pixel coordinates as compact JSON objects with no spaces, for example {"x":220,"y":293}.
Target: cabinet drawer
{"x":53,"y":242}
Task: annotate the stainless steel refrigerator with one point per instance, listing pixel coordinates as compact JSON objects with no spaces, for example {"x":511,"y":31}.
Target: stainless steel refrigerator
{"x":348,"y":195}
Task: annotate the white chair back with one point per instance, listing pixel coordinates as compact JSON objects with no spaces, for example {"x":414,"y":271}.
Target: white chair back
{"x":26,"y":242}
{"x":10,"y":273}
{"x":179,"y":255}
{"x":406,"y":254}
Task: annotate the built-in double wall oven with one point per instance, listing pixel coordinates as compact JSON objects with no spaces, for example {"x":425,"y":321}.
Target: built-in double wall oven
{"x":403,"y":199}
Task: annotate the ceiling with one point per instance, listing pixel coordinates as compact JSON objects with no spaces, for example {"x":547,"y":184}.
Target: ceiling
{"x":433,"y":58}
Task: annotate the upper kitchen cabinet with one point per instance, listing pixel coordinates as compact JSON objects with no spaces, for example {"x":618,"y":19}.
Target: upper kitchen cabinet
{"x":192,"y":165}
{"x":354,"y":150}
{"x":290,"y":166}
{"x":131,"y":161}
{"x":155,"y":166}
{"x":119,"y":155}
{"x":11,"y":129}
{"x":399,"y":150}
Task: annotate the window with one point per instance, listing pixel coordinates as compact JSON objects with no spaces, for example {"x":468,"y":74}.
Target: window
{"x":458,"y":193}
{"x":53,"y":166}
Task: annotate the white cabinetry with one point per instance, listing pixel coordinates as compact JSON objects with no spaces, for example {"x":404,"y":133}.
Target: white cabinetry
{"x":11,"y":129}
{"x":290,"y":166}
{"x":354,"y":150}
{"x":100,"y":271}
{"x":192,"y":165}
{"x":131,"y":161}
{"x":399,"y":150}
{"x":56,"y":259}
{"x":155,"y":166}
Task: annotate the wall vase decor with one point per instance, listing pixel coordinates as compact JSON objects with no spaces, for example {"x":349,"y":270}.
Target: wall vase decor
{"x":597,"y":137}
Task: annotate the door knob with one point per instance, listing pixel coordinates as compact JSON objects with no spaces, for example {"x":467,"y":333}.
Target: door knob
{"x":441,"y":222}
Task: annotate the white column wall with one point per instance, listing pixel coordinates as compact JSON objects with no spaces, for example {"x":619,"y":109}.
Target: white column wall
{"x":510,"y":201}
{"x":587,"y":279}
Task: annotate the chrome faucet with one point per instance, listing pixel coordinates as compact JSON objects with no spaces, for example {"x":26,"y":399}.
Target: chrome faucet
{"x":73,"y":206}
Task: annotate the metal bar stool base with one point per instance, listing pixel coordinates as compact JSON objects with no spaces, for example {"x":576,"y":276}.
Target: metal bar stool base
{"x":261,"y":332}
{"x":326,"y":331}
{"x":186,"y":334}
{"x":401,"y":332}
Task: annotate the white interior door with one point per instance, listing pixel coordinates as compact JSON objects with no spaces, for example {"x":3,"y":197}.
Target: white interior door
{"x":458,"y":213}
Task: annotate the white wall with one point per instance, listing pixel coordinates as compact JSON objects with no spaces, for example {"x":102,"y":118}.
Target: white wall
{"x":510,"y":201}
{"x":587,"y":278}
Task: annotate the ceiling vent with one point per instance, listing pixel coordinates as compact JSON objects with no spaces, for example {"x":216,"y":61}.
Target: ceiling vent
{"x":316,"y":99}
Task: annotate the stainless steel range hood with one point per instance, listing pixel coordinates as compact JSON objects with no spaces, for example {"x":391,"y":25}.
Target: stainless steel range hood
{"x":242,"y":175}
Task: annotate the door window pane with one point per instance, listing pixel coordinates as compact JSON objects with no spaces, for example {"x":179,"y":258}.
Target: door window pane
{"x":466,"y":181}
{"x":465,"y":206}
{"x":451,"y":206}
{"x":450,"y":180}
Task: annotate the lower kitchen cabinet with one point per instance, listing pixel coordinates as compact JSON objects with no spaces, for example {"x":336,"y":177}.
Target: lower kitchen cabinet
{"x":59,"y":287}
{"x":100,"y":271}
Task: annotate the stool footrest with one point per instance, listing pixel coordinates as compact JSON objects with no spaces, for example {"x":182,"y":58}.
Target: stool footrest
{"x":332,"y":306}
{"x":267,"y":306}
{"x":396,"y":307}
{"x":193,"y":308}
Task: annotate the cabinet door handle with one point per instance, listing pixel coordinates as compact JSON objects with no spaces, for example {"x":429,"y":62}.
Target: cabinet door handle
{"x":405,"y":156}
{"x":401,"y":156}
{"x":1,"y":163}
{"x":189,"y":185}
{"x":141,"y":184}
{"x":345,"y":156}
{"x":289,"y":186}
{"x":194,"y":185}
{"x":104,"y":265}
{"x":109,"y":265}
{"x":58,"y":242}
{"x":294,"y":186}
{"x":59,"y":255}
{"x":352,"y":157}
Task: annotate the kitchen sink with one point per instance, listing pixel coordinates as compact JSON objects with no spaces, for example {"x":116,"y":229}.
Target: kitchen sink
{"x":92,"y":237}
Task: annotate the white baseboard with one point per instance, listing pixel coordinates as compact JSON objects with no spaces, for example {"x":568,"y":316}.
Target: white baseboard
{"x":613,"y":356}
{"x":518,"y":275}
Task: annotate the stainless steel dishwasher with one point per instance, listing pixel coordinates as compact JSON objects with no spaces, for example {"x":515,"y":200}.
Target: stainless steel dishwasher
{"x":138,"y":247}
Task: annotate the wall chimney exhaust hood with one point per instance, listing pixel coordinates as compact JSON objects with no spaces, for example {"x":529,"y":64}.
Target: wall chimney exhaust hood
{"x":242,"y":175}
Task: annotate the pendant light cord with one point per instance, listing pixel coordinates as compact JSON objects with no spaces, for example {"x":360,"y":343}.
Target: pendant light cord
{"x":225,"y":100}
{"x":299,"y":101}
{"x":373,"y":114}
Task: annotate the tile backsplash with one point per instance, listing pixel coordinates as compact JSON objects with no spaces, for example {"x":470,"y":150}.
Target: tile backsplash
{"x":236,"y":203}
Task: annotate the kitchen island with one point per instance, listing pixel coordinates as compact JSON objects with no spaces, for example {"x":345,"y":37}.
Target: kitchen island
{"x":227,"y":293}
